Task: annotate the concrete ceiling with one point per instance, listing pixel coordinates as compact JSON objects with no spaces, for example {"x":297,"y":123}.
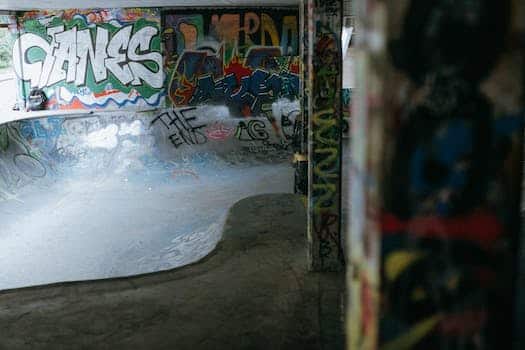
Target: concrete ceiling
{"x":64,"y":4}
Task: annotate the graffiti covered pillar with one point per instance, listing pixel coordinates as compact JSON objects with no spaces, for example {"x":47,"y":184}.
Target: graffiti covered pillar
{"x":435,"y":222}
{"x":324,"y":83}
{"x":366,"y":144}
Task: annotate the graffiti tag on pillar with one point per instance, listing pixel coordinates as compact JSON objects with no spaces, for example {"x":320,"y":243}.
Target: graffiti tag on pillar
{"x":450,"y":204}
{"x":326,"y":130}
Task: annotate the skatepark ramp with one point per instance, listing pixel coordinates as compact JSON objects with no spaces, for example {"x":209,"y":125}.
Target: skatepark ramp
{"x":123,"y":193}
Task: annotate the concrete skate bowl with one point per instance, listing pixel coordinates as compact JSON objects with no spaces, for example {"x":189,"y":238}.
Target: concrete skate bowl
{"x":120,"y":194}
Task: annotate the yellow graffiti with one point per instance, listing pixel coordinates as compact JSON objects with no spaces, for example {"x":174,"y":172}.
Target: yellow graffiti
{"x":268,"y":27}
{"x":414,"y":335}
{"x":252,"y":24}
{"x":327,"y":164}
{"x":326,"y":123}
{"x":397,"y":262}
{"x":325,"y":169}
{"x":328,"y":191}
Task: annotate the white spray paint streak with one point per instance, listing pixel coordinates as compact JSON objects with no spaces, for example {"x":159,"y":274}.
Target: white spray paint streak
{"x":104,"y":138}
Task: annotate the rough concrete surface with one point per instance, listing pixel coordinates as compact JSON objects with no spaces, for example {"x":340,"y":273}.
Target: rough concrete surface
{"x":252,"y":292}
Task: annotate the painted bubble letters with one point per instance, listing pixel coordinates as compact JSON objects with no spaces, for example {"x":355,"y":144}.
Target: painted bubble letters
{"x":91,"y":59}
{"x":70,"y":52}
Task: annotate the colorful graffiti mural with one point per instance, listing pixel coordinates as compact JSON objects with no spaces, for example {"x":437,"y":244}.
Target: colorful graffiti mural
{"x":190,"y":126}
{"x":59,"y":146}
{"x":435,"y":229}
{"x":244,"y":58}
{"x":136,"y":182}
{"x":325,"y":112}
{"x":91,"y":59}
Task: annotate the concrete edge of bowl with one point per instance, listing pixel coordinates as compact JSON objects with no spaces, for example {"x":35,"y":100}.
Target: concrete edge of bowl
{"x":231,"y":241}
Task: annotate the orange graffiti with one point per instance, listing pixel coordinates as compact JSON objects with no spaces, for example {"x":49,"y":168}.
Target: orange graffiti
{"x":184,"y":93}
{"x":227,"y":27}
{"x":189,"y":32}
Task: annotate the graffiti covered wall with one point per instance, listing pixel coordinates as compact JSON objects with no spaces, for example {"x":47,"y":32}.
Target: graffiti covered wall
{"x":452,"y":188}
{"x":435,"y":213}
{"x":230,"y":77}
{"x":244,"y":58}
{"x":91,"y":59}
{"x":145,"y":191}
{"x":324,"y":104}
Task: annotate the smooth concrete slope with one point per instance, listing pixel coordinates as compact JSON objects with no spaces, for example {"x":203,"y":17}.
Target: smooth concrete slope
{"x":119,"y":194}
{"x":252,"y":292}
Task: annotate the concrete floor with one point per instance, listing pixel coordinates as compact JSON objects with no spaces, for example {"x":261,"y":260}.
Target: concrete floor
{"x":252,"y":292}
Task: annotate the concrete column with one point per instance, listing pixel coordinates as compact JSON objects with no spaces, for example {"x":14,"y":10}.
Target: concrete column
{"x":436,"y":148}
{"x":367,"y":145}
{"x":323,"y":88}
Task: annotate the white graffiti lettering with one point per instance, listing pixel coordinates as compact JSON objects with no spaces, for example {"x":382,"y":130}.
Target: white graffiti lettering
{"x":67,"y":53}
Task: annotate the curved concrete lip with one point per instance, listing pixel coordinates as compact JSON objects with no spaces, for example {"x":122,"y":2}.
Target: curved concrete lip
{"x":110,"y":196}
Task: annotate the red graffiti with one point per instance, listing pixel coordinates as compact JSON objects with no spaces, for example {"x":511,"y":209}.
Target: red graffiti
{"x":219,"y":132}
{"x":238,"y":69}
{"x":295,"y":68}
{"x":463,"y":324}
{"x":106,"y":93}
{"x":246,"y":111}
{"x":367,"y":302}
{"x":480,"y":227}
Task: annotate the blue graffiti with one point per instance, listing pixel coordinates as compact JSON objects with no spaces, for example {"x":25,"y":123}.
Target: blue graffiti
{"x":446,"y":151}
{"x":33,"y":129}
{"x":253,"y":91}
{"x":449,"y":153}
